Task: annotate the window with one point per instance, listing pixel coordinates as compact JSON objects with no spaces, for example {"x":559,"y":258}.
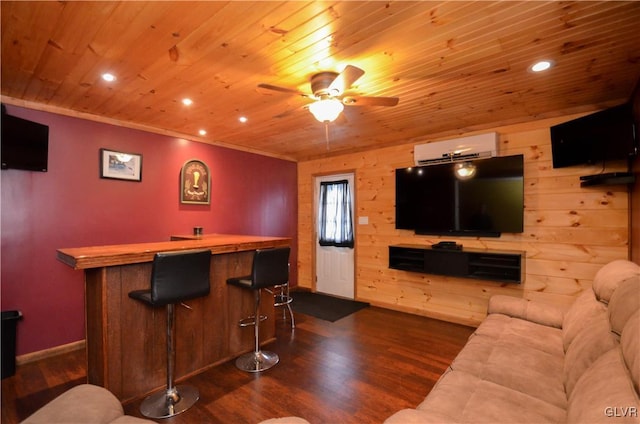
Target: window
{"x":335,"y":217}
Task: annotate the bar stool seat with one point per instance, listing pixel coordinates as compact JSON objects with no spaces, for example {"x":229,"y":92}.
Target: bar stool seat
{"x":175,"y":277}
{"x":270,"y":268}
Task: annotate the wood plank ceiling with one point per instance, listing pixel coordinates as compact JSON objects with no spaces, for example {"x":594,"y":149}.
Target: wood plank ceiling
{"x":456,"y":66}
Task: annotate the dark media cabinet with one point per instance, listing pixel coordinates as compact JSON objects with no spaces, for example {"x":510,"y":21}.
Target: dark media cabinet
{"x":501,"y":266}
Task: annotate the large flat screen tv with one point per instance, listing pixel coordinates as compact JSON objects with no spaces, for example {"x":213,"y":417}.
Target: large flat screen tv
{"x":433,"y":200}
{"x":603,"y":136}
{"x":25,"y":144}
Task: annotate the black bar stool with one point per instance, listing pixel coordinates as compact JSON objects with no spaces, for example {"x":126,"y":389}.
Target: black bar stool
{"x":282,"y":299}
{"x":175,"y":277}
{"x":270,"y":268}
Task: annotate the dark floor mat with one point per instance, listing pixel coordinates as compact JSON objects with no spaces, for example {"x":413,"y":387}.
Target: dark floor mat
{"x":325,"y":307}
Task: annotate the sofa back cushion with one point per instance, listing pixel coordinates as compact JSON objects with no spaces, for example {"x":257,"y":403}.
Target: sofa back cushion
{"x":624,"y":302}
{"x":611,"y":275}
{"x":604,"y":391}
{"x":593,"y":340}
{"x":584,"y":308}
{"x":630,"y":343}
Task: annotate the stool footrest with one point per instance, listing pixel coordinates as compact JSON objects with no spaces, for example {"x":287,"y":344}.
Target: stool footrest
{"x":281,"y":300}
{"x":250,"y":321}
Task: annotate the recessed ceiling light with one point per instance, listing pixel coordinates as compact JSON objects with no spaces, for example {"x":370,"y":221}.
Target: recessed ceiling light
{"x":202,"y":132}
{"x":187,"y":102}
{"x":542,"y":65}
{"x":243,"y":119}
{"x":108,"y":77}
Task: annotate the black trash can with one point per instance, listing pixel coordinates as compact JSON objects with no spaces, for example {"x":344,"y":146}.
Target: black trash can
{"x":9,"y":324}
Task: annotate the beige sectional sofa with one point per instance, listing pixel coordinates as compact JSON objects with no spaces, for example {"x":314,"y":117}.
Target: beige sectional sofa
{"x":84,"y":403}
{"x":533,"y":363}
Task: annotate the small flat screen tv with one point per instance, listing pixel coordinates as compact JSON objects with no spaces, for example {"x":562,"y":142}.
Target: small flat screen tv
{"x":25,"y":144}
{"x":432,"y":200}
{"x":603,"y":136}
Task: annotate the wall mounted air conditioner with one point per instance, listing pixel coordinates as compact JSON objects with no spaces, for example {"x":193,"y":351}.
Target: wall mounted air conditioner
{"x":456,"y":150}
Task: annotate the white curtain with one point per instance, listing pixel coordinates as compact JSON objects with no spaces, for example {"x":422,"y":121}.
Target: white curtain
{"x":335,"y":217}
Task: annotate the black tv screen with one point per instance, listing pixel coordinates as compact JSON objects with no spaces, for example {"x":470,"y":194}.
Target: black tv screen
{"x":25,"y":144}
{"x":599,"y":137}
{"x":434,"y":200}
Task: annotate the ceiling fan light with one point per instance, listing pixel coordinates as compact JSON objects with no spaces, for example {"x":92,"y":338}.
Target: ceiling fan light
{"x":326,"y":110}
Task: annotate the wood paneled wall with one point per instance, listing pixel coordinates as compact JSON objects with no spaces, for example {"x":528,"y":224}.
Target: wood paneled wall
{"x":569,"y":231}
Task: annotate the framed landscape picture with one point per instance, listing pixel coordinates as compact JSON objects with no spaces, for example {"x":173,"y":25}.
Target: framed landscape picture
{"x":120,"y":165}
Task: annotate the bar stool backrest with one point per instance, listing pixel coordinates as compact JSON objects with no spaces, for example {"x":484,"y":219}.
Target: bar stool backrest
{"x":180,"y":275}
{"x":270,"y":267}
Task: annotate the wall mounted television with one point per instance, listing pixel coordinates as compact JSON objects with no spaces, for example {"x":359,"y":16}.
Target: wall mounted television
{"x":603,"y":136}
{"x":431,"y":200}
{"x":24,"y":144}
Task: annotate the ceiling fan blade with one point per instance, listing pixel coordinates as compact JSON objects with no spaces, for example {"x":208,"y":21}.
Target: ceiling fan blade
{"x":282,"y":89}
{"x":343,"y":81}
{"x":370,"y":101}
{"x":284,"y":114}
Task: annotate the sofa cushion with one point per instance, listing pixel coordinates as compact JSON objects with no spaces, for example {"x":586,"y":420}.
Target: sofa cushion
{"x":465,"y":398}
{"x":630,"y":342}
{"x":589,"y":344}
{"x":285,"y":420}
{"x":415,"y":416}
{"x":602,"y":391}
{"x":525,"y":333}
{"x":539,"y":313}
{"x":515,"y":366}
{"x":578,"y":316}
{"x":85,"y":403}
{"x":624,"y":302}
{"x":610,"y":275}
{"x":128,"y":419}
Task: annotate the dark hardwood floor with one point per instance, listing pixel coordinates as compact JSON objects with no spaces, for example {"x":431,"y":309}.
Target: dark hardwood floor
{"x":360,"y":369}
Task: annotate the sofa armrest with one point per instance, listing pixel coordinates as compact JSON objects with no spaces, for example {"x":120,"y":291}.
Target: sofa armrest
{"x":85,"y":403}
{"x":417,"y":416}
{"x":539,"y":313}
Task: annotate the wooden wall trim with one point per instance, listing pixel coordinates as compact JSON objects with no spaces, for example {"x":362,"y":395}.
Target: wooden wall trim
{"x":133,"y":125}
{"x":48,"y":353}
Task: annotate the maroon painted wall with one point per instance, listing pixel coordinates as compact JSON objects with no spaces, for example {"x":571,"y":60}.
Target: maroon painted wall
{"x":71,"y":206}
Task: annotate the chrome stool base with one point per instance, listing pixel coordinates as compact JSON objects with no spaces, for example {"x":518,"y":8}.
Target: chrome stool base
{"x":257,"y":361}
{"x":169,"y":403}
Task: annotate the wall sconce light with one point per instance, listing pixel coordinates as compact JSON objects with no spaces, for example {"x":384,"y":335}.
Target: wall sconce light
{"x":464,"y":170}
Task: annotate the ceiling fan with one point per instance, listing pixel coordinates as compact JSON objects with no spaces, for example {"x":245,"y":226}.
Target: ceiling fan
{"x":329,"y":89}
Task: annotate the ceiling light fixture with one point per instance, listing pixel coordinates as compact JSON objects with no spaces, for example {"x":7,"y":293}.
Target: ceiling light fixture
{"x":464,"y":170}
{"x":187,"y":102}
{"x":108,"y":77}
{"x":243,"y":119}
{"x":542,"y":65}
{"x":326,"y":110}
{"x":202,"y":132}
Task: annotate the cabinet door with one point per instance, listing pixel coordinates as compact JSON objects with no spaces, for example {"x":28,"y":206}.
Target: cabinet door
{"x":452,"y":263}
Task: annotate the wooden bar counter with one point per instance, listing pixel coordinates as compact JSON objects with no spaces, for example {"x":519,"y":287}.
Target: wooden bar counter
{"x":126,"y":340}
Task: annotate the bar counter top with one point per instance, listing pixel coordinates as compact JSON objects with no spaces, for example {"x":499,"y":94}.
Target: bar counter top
{"x":123,"y":254}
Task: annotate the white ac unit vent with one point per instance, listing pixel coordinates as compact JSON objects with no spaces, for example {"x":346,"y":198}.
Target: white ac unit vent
{"x":456,"y":150}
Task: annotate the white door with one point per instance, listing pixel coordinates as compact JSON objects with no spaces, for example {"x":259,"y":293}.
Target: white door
{"x":334,"y":265}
